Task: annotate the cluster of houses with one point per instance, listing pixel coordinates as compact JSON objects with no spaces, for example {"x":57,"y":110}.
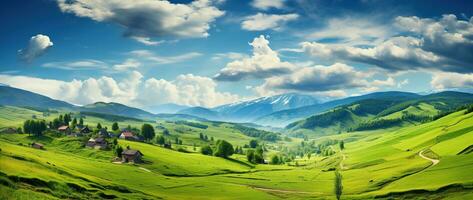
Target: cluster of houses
{"x":100,"y":142}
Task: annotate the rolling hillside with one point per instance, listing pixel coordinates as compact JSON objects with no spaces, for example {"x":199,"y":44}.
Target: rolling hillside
{"x":381,"y":113}
{"x":117,"y":109}
{"x":10,"y":96}
{"x":285,"y":117}
{"x":380,"y":164}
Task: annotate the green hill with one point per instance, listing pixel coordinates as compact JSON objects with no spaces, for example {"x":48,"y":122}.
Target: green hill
{"x":10,"y":96}
{"x":373,"y":114}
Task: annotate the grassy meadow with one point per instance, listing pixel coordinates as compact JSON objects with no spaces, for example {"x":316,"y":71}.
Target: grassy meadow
{"x":384,"y":163}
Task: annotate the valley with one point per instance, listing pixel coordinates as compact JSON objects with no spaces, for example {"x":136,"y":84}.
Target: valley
{"x":428,"y":154}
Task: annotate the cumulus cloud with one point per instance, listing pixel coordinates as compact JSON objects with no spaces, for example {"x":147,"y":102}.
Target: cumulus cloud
{"x":37,"y":46}
{"x":261,"y":21}
{"x":447,"y":37}
{"x":86,"y":64}
{"x":267,"y":4}
{"x":396,"y":54}
{"x":444,"y":80}
{"x":144,"y":19}
{"x":263,"y":63}
{"x":439,"y":45}
{"x":133,"y":90}
{"x":318,"y":78}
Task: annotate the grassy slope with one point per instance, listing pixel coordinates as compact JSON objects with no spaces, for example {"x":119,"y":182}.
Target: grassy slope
{"x":377,"y":162}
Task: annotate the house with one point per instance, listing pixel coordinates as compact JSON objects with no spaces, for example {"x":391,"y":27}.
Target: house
{"x":127,"y":135}
{"x":9,"y":130}
{"x":97,"y":143}
{"x":104,"y":133}
{"x":37,"y":145}
{"x":131,"y":155}
{"x":64,"y":129}
{"x":85,"y":130}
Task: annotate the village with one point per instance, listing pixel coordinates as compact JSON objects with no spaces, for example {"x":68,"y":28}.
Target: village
{"x":98,"y":138}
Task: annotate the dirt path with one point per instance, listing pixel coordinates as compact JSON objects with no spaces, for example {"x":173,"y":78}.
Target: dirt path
{"x":341,"y":162}
{"x":434,"y":161}
{"x":142,"y":168}
{"x":283,"y":191}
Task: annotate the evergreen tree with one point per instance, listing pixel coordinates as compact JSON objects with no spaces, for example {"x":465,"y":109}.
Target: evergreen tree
{"x":115,"y":126}
{"x":99,"y":126}
{"x":342,"y":145}
{"x":81,"y":121}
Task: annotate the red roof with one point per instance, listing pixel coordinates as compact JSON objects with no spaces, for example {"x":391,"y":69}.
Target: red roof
{"x":63,"y":128}
{"x":127,"y":134}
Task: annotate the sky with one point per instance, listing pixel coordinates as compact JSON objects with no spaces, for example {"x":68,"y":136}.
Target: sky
{"x":207,"y":53}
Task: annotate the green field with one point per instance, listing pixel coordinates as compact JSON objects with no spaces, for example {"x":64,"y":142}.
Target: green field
{"x":381,"y":163}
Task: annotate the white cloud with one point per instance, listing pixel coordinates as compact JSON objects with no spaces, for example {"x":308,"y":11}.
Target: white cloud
{"x":156,"y":59}
{"x":261,"y":21}
{"x":402,"y":83}
{"x":37,"y":46}
{"x":147,"y":41}
{"x":437,"y":45}
{"x":133,"y":90}
{"x":317,"y":79}
{"x":267,"y":4}
{"x":353,"y":31}
{"x":127,"y":65}
{"x":229,"y":55}
{"x":86,"y":64}
{"x":444,"y":80}
{"x":149,"y":18}
{"x":396,"y":54}
{"x":263,"y":63}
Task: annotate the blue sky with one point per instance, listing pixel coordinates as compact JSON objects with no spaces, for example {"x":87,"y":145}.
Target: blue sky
{"x":207,"y":53}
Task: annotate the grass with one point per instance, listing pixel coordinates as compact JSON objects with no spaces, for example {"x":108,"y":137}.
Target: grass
{"x":381,"y":163}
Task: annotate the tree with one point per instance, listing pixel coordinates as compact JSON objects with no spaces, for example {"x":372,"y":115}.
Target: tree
{"x":275,"y":160}
{"x":166,"y":132}
{"x":206,"y":138}
{"x":81,"y":121}
{"x":212,"y":138}
{"x":253,"y":143}
{"x":224,"y":149}
{"x":160,"y":140}
{"x":338,"y":185}
{"x":118,"y":151}
{"x":147,"y":131}
{"x":67,"y":119}
{"x":201,"y":136}
{"x":74,"y":121}
{"x":206,"y":150}
{"x":115,"y":126}
{"x":342,"y":145}
{"x":99,"y":126}
{"x":250,"y":154}
{"x":176,"y":140}
{"x":34,"y":127}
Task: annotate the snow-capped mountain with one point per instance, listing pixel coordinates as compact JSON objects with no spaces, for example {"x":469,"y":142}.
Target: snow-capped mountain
{"x":250,"y":110}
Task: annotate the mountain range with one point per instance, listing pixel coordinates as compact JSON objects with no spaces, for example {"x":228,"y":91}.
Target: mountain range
{"x":295,"y":112}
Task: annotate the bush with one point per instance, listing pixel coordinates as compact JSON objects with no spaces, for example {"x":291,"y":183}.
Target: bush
{"x":224,"y":149}
{"x":206,"y":150}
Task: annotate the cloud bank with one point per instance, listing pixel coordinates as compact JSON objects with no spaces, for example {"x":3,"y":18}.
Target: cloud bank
{"x":133,"y":90}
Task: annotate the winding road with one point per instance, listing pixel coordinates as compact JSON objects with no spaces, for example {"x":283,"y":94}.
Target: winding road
{"x":434,"y":161}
